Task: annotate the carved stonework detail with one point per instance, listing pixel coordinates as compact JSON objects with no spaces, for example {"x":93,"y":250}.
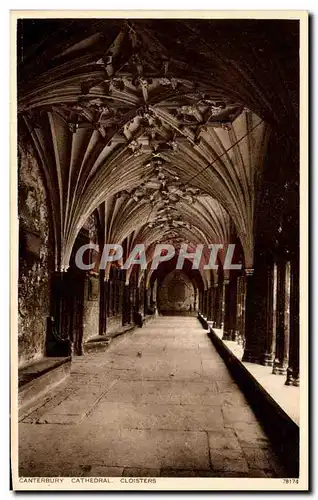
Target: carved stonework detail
{"x":164,"y":189}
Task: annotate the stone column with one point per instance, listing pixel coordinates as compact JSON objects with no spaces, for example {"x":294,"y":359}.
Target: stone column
{"x":225,"y":285}
{"x":116,"y":306}
{"x":154,"y":294}
{"x":131,"y":300}
{"x":106,"y":301}
{"x":121,"y":291}
{"x":213,"y":306}
{"x":256,"y":312}
{"x":145,"y":301}
{"x":238,"y":329}
{"x":126,"y":304}
{"x":60,"y":333}
{"x":271,"y":312}
{"x":151,"y":296}
{"x":207,"y":298}
{"x":103,"y":292}
{"x":114,"y":293}
{"x":219,"y":302}
{"x":218,"y":305}
{"x":195,"y":305}
{"x":225,"y":306}
{"x":205,"y":304}
{"x":283,"y":317}
{"x":137,"y":298}
{"x":201,"y":302}
{"x":293,"y":366}
{"x":230,"y":309}
{"x":240,"y":311}
{"x":110,"y":295}
{"x":210,"y":304}
{"x":251,"y":349}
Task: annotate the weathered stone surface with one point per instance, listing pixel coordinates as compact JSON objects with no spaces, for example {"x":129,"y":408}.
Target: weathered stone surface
{"x":257,"y":458}
{"x":232,"y":461}
{"x":154,"y":416}
{"x":83,"y":444}
{"x":35,"y":261}
{"x":237,"y":414}
{"x":35,"y":370}
{"x":224,"y":440}
{"x":48,"y":402}
{"x":227,"y":385}
{"x":250,"y":434}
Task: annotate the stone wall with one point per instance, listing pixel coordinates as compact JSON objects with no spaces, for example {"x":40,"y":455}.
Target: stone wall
{"x":35,"y":258}
{"x":176,"y":293}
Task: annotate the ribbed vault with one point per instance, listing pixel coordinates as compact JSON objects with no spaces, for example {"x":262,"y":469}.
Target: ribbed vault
{"x":122,"y":120}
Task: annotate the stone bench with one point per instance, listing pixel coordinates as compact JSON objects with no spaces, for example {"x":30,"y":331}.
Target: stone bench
{"x":37,"y":378}
{"x":280,"y":428}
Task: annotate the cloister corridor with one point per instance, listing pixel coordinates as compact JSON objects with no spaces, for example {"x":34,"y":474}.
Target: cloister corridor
{"x":158,"y":402}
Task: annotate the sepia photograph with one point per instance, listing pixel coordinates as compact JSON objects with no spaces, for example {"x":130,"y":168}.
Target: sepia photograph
{"x":159,"y":240}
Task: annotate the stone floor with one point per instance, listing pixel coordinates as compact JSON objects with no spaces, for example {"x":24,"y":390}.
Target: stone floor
{"x":158,"y":402}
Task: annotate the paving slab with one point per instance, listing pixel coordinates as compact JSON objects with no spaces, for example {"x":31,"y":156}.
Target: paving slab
{"x":156,"y":416}
{"x":67,"y":449}
{"x":224,"y":440}
{"x":226,"y":460}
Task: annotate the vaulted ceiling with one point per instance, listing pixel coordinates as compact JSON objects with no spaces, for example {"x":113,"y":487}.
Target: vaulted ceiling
{"x":161,"y":126}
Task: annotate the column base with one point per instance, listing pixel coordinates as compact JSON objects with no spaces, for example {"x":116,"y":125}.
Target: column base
{"x":79,"y":350}
{"x":268,"y":360}
{"x":70,"y":348}
{"x":228,"y":335}
{"x":279,"y":368}
{"x":292,"y":378}
{"x":239,"y":339}
{"x":250,"y":357}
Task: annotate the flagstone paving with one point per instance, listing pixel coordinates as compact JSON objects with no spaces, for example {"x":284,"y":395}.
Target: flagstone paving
{"x":159,"y":402}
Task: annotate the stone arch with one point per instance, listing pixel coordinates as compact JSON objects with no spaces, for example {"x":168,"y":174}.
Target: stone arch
{"x":176,"y":293}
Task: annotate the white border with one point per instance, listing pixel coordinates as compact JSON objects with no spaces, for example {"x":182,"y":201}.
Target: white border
{"x":4,"y":82}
